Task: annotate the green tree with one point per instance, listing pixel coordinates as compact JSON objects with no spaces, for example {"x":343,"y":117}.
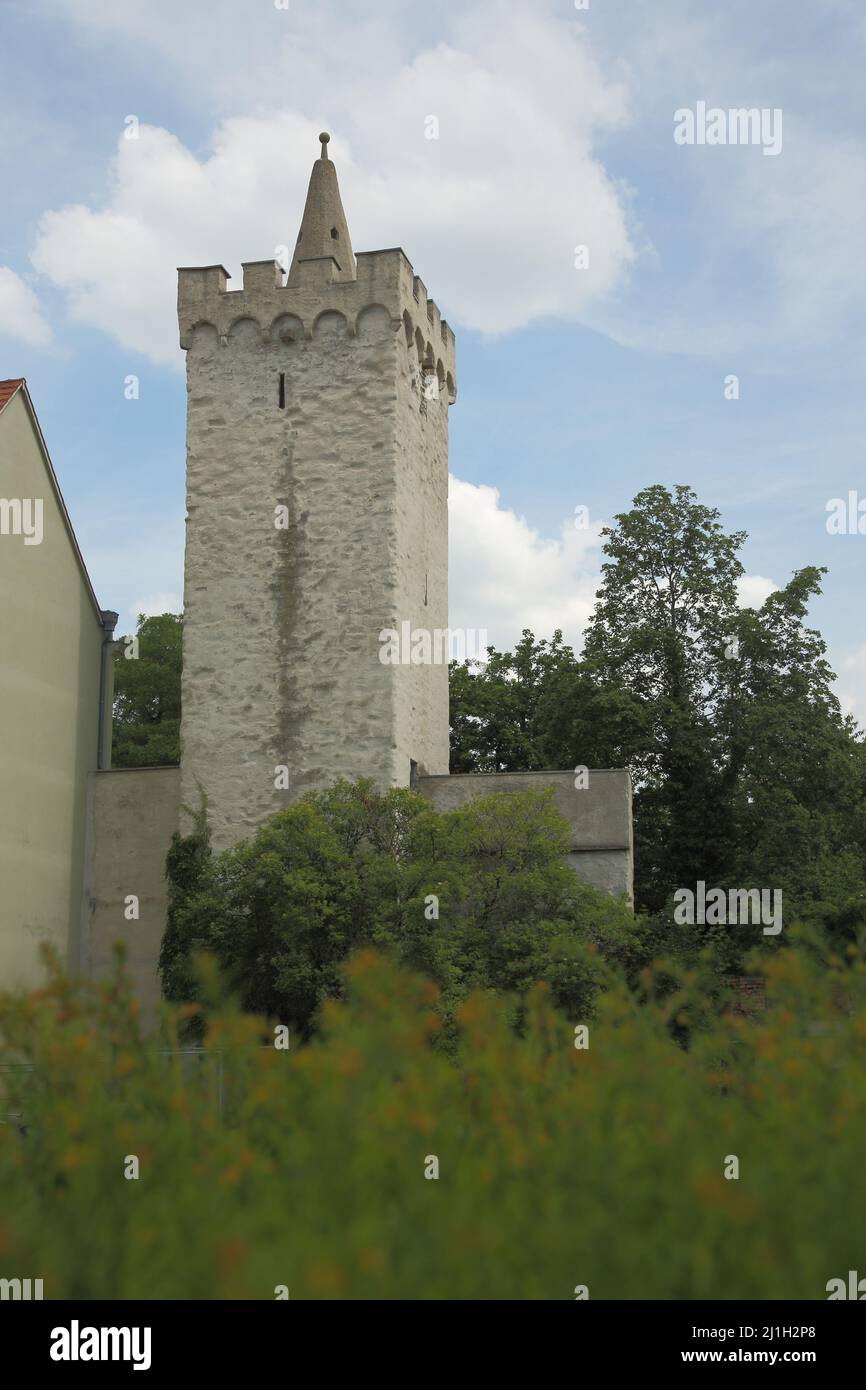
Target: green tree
{"x":538,"y":708}
{"x":494,"y":706}
{"x":746,"y":773}
{"x":147,"y":695}
{"x":794,"y":765}
{"x":478,"y":898}
{"x":663,"y":617}
{"x":186,"y":864}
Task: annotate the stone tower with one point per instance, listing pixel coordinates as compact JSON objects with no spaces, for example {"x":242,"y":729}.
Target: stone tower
{"x":317,"y":491}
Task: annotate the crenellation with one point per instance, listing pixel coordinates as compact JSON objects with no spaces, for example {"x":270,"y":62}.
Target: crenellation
{"x":419,"y":292}
{"x":207,"y":277}
{"x":262,"y":276}
{"x":203,"y":298}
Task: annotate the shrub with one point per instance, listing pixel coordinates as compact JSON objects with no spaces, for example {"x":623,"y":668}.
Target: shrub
{"x":477,"y":898}
{"x":557,"y":1166}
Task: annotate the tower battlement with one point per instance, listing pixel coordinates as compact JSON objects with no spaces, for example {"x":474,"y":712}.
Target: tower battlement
{"x":384,"y":280}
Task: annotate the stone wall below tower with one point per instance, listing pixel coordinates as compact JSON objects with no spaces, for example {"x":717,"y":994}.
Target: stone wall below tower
{"x":602,"y":845}
{"x":132,"y":814}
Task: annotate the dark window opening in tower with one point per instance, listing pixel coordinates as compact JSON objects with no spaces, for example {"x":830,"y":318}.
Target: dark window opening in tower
{"x":282,"y":394}
{"x":413,"y":774}
{"x":335,"y":234}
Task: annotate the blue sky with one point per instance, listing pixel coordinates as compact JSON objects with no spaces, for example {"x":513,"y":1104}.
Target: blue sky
{"x":555,"y":129}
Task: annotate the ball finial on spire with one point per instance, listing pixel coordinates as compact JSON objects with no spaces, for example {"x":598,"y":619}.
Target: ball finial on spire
{"x":324,"y":137}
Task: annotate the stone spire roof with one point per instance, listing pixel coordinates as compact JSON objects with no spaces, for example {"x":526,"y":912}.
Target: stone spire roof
{"x":324,"y":234}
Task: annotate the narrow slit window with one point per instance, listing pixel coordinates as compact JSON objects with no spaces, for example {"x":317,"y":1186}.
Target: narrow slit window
{"x":282,"y":392}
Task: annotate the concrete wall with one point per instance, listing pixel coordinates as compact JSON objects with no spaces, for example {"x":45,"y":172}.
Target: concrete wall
{"x":599,"y":815}
{"x":50,"y":652}
{"x":281,"y":624}
{"x":133,"y":813}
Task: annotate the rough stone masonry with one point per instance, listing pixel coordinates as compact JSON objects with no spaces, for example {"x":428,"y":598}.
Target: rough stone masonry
{"x":317,"y":500}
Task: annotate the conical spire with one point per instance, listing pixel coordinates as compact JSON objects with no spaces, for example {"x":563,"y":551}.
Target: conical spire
{"x":324,"y":234}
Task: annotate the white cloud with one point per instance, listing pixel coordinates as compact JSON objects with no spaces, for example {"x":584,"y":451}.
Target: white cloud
{"x":154,"y":604}
{"x":490,"y":213}
{"x":504,"y":576}
{"x":753,"y":589}
{"x":851,"y":685}
{"x":118,"y":266}
{"x":20,"y":315}
{"x":739,"y":253}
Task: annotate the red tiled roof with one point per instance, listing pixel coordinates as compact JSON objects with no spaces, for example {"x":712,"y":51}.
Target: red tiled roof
{"x":8,"y":389}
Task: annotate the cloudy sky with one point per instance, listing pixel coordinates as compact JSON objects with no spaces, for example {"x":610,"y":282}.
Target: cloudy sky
{"x":138,"y":137}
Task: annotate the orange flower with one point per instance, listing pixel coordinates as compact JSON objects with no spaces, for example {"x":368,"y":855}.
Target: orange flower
{"x":373,"y":1260}
{"x":349,"y":1062}
{"x":711,"y":1188}
{"x":326,"y":1278}
{"x":229,"y":1255}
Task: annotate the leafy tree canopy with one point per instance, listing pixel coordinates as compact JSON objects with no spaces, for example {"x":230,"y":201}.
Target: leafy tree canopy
{"x":147,"y":673}
{"x":477,"y":898}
